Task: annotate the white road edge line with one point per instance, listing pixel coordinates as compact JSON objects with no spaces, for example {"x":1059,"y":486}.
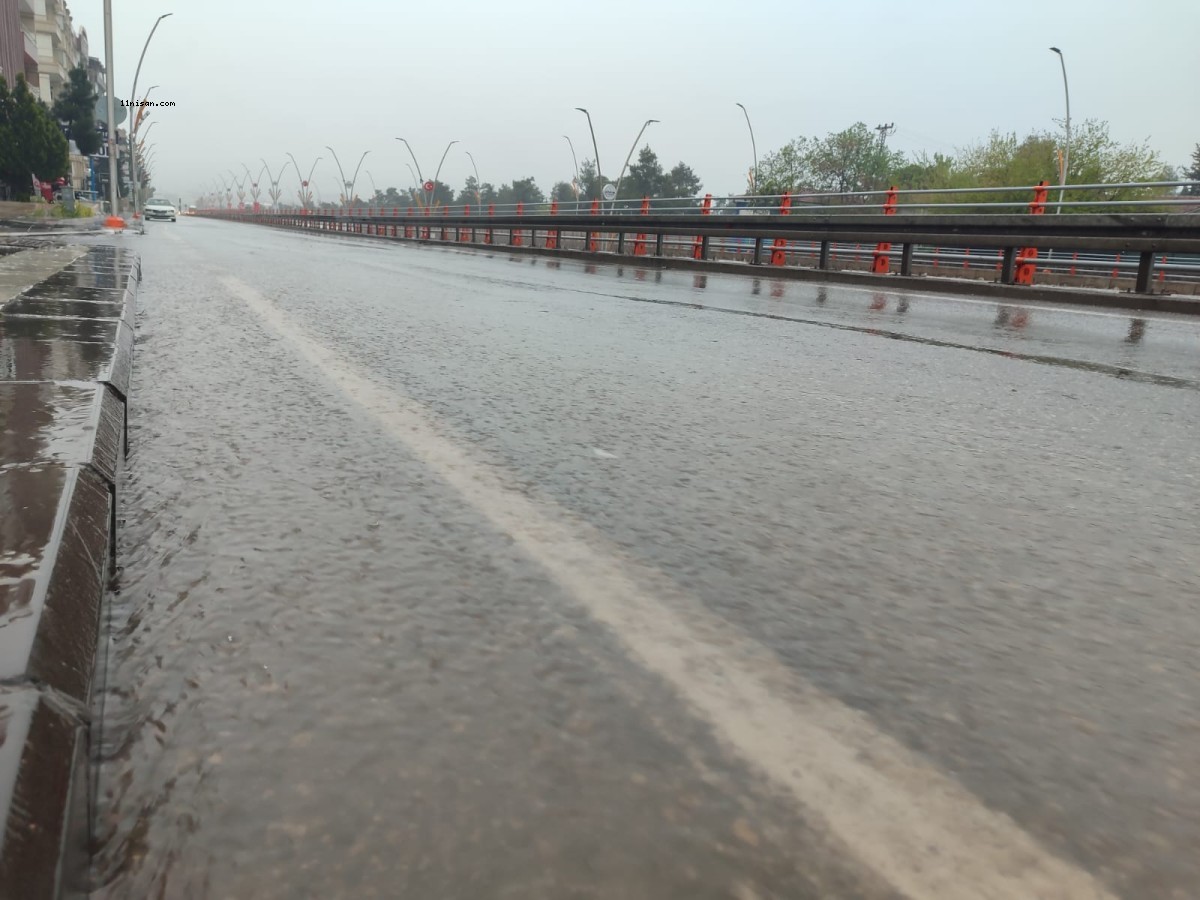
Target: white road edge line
{"x":918,"y":829}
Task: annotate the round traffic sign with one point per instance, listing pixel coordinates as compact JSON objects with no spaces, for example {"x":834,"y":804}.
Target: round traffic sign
{"x":609,"y":192}
{"x":429,"y":186}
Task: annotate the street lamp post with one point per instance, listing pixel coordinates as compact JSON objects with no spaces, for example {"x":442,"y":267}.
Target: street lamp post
{"x":110,"y":101}
{"x":754,"y":150}
{"x":645,"y":125}
{"x":420,"y":177}
{"x":416,"y":183}
{"x":274,"y":192}
{"x":304,"y":194}
{"x":374,"y":190}
{"x":439,"y":171}
{"x":478,"y":193}
{"x":349,"y":185}
{"x":595,"y":149}
{"x":241,"y":187}
{"x":135,"y":119}
{"x":1066,"y":159}
{"x":575,"y":160}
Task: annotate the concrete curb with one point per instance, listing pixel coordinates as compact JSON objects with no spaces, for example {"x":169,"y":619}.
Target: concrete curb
{"x":69,"y":379}
{"x":971,"y":287}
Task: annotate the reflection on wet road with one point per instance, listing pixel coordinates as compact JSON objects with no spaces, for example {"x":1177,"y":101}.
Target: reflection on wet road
{"x":449,"y":575}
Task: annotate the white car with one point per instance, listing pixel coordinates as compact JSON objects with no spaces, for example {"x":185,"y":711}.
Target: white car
{"x":159,"y":209}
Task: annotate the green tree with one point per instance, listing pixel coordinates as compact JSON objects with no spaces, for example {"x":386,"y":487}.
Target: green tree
{"x":522,"y":190}
{"x":681,"y":181}
{"x":563,"y":192}
{"x":76,"y":109}
{"x":787,"y":169}
{"x":852,"y":160}
{"x":590,"y":184}
{"x":644,"y":178}
{"x":1193,"y":174}
{"x":31,"y":142}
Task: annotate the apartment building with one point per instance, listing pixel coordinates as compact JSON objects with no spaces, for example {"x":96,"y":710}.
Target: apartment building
{"x":59,"y":47}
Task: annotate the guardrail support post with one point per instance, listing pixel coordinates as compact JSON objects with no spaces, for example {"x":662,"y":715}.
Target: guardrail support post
{"x":514,"y":234}
{"x":1008,"y":265}
{"x":658,"y":244}
{"x":906,"y":258}
{"x":552,"y":235}
{"x":757,"y":259}
{"x":639,"y":240}
{"x":488,"y":235}
{"x":592,"y":244}
{"x":779,"y":245}
{"x":700,"y":245}
{"x":823,"y":258}
{"x":1145,"y":273}
{"x":1026,"y":265}
{"x":882,"y":261}
{"x":620,"y":242}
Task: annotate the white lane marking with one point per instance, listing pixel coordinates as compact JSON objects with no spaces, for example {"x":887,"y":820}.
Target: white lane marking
{"x":918,"y":829}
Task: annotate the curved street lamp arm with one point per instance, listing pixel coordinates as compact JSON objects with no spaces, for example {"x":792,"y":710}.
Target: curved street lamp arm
{"x":753,"y":148}
{"x":595,"y":149}
{"x":338,"y":162}
{"x":439,"y":168}
{"x":356,"y":168}
{"x":1066,"y":160}
{"x":414,"y":158}
{"x":145,"y":47}
{"x":645,"y":125}
{"x":478,"y":195}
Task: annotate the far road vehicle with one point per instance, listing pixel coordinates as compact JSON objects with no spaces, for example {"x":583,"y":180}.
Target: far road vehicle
{"x":160,"y":209}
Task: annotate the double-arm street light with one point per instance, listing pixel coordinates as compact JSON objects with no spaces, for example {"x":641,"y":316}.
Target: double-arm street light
{"x":349,"y":185}
{"x":305,"y":194}
{"x":753,"y":149}
{"x":645,"y":125}
{"x":136,"y":117}
{"x":274,"y":192}
{"x":429,"y":193}
{"x":1066,"y":157}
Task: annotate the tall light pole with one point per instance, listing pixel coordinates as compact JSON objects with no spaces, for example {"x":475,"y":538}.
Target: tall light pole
{"x":305,"y":195}
{"x":349,"y":184}
{"x":133,"y":124}
{"x":645,"y":125}
{"x":478,"y":193}
{"x":416,"y":183}
{"x":275,"y":191}
{"x":420,"y":178}
{"x":241,"y":186}
{"x":575,"y":160}
{"x":754,"y":149}
{"x":374,"y":190}
{"x":1066,"y":160}
{"x":595,"y":149}
{"x":439,"y":171}
{"x":111,"y":104}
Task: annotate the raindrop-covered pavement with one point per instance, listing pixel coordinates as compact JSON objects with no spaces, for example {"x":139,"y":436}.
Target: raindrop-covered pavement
{"x":453,"y":575}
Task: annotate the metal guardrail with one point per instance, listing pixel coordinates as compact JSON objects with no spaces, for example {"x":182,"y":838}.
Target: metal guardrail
{"x":1161,"y":243}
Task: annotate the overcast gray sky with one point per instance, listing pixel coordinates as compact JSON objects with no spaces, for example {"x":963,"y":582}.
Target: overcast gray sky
{"x":256,"y":78}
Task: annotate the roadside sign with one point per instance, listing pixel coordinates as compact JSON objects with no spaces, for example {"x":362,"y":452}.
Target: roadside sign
{"x":609,"y":191}
{"x":429,"y":186}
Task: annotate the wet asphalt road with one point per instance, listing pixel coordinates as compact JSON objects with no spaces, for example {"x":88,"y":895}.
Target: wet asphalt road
{"x":453,"y":575}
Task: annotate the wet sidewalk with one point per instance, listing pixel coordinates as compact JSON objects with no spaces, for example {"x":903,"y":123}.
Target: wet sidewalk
{"x":66,"y":350}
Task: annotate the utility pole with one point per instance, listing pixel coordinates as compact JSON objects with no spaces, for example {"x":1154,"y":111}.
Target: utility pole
{"x":884,"y":131}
